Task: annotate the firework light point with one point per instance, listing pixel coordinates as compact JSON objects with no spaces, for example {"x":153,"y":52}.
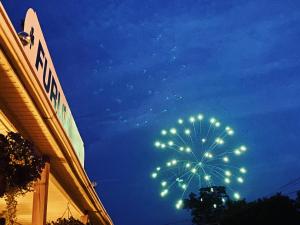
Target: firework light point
{"x":201,"y":152}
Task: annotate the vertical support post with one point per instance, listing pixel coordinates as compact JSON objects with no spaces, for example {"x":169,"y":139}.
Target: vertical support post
{"x":40,"y":197}
{"x":84,"y":219}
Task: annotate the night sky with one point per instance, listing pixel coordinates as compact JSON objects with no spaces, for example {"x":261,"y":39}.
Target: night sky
{"x":130,"y":68}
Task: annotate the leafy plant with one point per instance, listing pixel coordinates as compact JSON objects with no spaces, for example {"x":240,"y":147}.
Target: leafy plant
{"x":63,"y":221}
{"x":20,"y":166}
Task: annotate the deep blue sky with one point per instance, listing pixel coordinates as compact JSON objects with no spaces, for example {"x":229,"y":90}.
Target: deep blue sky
{"x":129,"y":68}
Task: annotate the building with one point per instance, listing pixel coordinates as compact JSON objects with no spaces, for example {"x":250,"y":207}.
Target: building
{"x":32,"y":103}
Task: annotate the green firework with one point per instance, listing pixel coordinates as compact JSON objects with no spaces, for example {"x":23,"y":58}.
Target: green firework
{"x":201,"y":153}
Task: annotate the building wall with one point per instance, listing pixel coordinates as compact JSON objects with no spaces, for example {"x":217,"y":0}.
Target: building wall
{"x":25,"y":108}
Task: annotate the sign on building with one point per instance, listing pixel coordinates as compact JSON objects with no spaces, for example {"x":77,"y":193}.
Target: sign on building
{"x":40,"y":59}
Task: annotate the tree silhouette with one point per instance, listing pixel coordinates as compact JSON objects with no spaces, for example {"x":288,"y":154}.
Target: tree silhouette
{"x":276,"y":210}
{"x":209,"y":206}
{"x":298,"y":201}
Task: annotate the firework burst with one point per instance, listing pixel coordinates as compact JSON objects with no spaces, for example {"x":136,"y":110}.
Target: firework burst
{"x":202,"y":153}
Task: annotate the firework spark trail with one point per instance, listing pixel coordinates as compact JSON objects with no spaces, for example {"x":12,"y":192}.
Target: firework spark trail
{"x":205,"y":153}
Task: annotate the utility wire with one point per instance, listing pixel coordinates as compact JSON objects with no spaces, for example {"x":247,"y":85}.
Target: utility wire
{"x":289,"y":184}
{"x":294,"y":181}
